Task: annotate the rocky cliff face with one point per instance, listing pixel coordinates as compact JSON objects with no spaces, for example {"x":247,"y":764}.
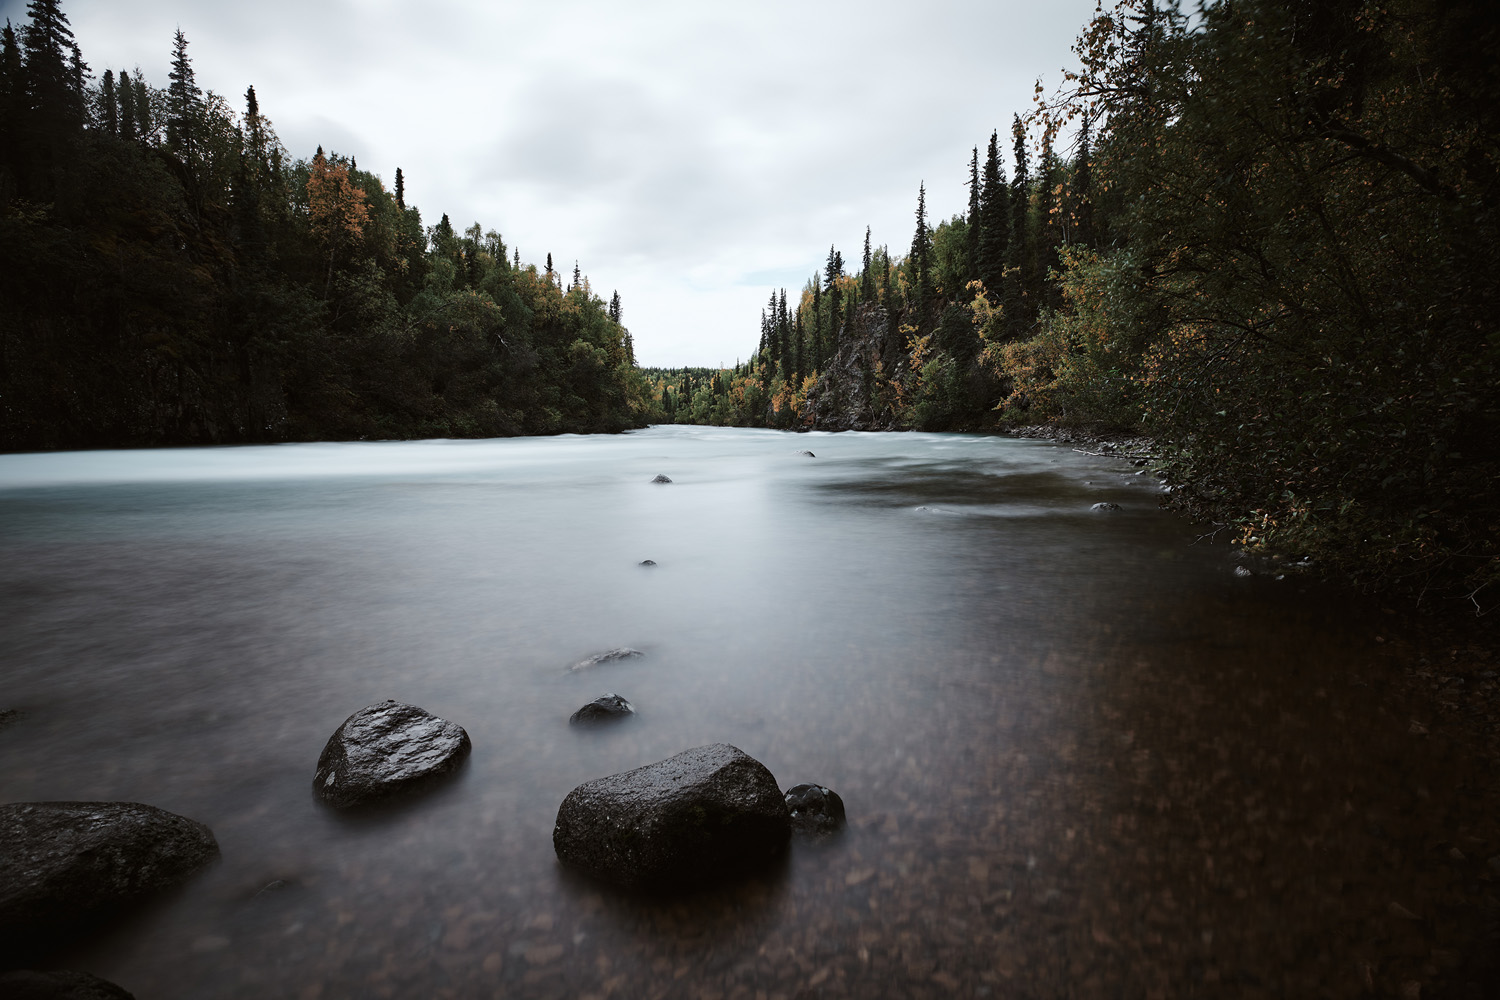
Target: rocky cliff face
{"x":854,"y":391}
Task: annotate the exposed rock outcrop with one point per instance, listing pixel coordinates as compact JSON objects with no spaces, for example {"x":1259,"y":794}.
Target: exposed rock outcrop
{"x":387,"y":749}
{"x":705,"y":815}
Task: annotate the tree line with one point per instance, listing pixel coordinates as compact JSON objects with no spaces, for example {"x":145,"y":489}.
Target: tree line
{"x":170,"y":274}
{"x":1270,"y":245}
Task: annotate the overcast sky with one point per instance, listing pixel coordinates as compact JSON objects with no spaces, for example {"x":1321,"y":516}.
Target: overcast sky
{"x":691,"y":155}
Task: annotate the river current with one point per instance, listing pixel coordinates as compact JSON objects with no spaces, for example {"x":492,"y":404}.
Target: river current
{"x":1080,"y":756}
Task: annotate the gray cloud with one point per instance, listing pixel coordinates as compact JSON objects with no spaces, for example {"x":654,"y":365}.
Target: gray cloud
{"x":684,"y":153}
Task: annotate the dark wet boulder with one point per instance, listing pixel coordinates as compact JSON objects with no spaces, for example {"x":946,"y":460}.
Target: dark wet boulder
{"x":816,"y":811}
{"x":1105,"y":506}
{"x":661,"y":479}
{"x":25,"y":984}
{"x":65,"y":866}
{"x":705,"y":815}
{"x":606,"y":708}
{"x":648,"y":562}
{"x":608,"y":656}
{"x":387,"y":749}
{"x":807,"y":454}
{"x":8,"y":716}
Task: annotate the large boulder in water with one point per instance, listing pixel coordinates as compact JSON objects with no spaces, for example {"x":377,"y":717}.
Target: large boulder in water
{"x":24,"y":984}
{"x":605,"y":708}
{"x":67,"y":865}
{"x":387,"y":749}
{"x":706,"y":814}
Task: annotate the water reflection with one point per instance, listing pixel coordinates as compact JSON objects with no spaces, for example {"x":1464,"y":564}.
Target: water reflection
{"x":1078,"y":755}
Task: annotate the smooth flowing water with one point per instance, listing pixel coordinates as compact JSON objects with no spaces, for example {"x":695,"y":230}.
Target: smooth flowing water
{"x":1079,"y":755}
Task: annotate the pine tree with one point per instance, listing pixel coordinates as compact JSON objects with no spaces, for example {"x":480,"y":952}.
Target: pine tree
{"x":184,"y":100}
{"x":994,"y":222}
{"x":1049,"y":230}
{"x":577,"y":276}
{"x":614,"y":308}
{"x":400,"y":190}
{"x":549,"y":263}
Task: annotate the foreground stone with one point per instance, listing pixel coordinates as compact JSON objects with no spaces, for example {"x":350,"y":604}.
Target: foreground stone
{"x":605,"y":708}
{"x":25,"y":984}
{"x":1105,"y":506}
{"x":67,"y":865}
{"x":807,"y":453}
{"x":816,"y":811}
{"x":706,"y":815}
{"x":661,"y":479}
{"x":609,"y":656}
{"x":387,"y":749}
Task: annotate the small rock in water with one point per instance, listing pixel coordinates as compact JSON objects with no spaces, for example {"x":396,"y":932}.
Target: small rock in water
{"x":700,"y":817}
{"x":605,"y":708}
{"x":386,"y":749}
{"x":648,"y":562}
{"x":25,"y":984}
{"x":816,"y":811}
{"x":65,"y":866}
{"x":1242,"y":571}
{"x":661,"y":479}
{"x":807,"y":453}
{"x":623,"y":653}
{"x":1105,"y":505}
{"x":9,"y":715}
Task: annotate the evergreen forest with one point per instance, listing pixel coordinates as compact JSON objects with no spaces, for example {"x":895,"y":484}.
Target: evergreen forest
{"x":172,"y":275}
{"x":1270,"y":245}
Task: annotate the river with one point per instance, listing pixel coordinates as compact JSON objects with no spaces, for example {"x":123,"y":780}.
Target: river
{"x":1080,"y":756}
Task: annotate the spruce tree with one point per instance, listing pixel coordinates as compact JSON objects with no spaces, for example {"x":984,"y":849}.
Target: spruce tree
{"x":976,"y":223}
{"x":835,"y":316}
{"x":994,"y":222}
{"x":1021,"y":301}
{"x":184,"y":99}
{"x":126,"y":96}
{"x":12,"y":94}
{"x":866,"y":278}
{"x":549,"y":260}
{"x":145,"y":124}
{"x":1049,"y":229}
{"x":1082,"y":194}
{"x":400,"y":190}
{"x":109,"y":108}
{"x":921,"y":251}
{"x":52,"y":84}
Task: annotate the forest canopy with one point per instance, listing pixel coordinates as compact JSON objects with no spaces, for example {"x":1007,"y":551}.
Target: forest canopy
{"x":1270,"y":245}
{"x":171,"y":274}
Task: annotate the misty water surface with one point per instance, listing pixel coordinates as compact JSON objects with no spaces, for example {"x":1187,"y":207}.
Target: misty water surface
{"x":1078,"y":754}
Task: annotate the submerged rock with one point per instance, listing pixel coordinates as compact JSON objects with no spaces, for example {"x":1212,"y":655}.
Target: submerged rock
{"x":609,"y":656}
{"x":648,"y":562}
{"x":25,"y":984}
{"x":65,"y":866}
{"x":1105,"y":506}
{"x":9,"y":715}
{"x":661,"y":479}
{"x":807,"y":453}
{"x":816,"y":811}
{"x":386,"y":749}
{"x":605,"y":708}
{"x":705,"y":815}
